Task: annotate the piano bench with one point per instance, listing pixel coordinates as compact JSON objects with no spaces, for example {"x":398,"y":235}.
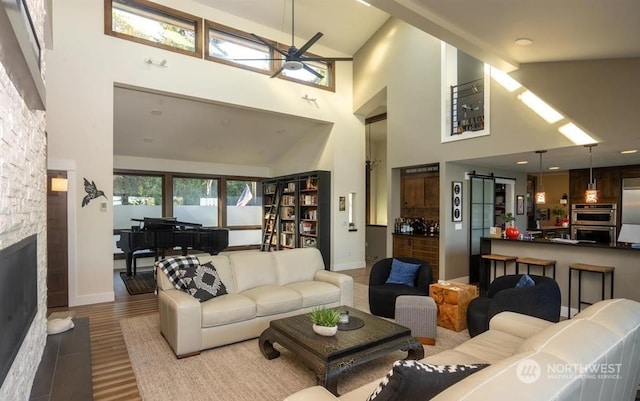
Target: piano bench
{"x":142,"y":254}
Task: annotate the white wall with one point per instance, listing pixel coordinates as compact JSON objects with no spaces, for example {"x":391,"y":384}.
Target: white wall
{"x":83,"y":68}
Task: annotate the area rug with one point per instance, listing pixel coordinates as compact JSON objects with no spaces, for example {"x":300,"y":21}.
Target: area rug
{"x":142,"y":283}
{"x":239,"y":372}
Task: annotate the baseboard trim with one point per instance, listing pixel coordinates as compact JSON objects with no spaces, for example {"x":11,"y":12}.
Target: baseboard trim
{"x":348,"y":266}
{"x":92,"y":299}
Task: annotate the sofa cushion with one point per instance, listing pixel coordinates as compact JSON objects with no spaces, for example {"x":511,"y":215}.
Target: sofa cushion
{"x":203,"y":282}
{"x":227,"y":309}
{"x":488,"y":347}
{"x":273,"y":299}
{"x":316,"y":292}
{"x":253,"y":269}
{"x":414,"y":380}
{"x":403,"y":273}
{"x":299,"y":264}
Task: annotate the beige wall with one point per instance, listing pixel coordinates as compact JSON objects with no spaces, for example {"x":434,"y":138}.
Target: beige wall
{"x":407,"y":64}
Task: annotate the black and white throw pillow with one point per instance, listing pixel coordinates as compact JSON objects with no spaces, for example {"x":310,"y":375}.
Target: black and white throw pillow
{"x":419,"y":381}
{"x":176,"y":267}
{"x":203,"y":282}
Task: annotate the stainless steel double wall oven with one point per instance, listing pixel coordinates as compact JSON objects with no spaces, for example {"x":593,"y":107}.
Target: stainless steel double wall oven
{"x":594,"y":222}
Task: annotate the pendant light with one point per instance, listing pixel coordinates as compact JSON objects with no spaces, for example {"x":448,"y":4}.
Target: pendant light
{"x":591,"y":194}
{"x":541,"y":196}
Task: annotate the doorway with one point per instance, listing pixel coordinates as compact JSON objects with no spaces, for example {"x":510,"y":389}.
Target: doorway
{"x":57,"y":240}
{"x":376,"y":186}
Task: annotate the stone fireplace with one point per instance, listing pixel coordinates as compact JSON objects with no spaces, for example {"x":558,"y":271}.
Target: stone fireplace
{"x":23,"y":215}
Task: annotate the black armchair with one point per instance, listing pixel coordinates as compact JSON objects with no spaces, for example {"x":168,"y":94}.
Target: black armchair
{"x":382,"y":296}
{"x":541,"y":300}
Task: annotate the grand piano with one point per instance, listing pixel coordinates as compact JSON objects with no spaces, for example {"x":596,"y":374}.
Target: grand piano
{"x":158,"y":234}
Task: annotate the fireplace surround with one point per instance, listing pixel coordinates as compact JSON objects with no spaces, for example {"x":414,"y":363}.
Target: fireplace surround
{"x":18,"y":298}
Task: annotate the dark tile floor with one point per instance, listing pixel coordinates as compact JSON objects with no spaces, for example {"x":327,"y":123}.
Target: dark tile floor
{"x":65,"y":369}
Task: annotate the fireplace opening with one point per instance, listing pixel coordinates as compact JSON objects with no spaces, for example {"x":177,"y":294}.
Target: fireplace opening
{"x":18,"y":298}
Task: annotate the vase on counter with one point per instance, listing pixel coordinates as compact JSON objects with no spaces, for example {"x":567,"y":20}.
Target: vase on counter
{"x":512,"y":232}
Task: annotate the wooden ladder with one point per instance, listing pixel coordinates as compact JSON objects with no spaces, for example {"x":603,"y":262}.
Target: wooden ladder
{"x":271,"y":219}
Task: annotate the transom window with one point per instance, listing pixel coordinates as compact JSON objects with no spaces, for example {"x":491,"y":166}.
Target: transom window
{"x":233,"y":47}
{"x":154,"y":25}
{"x":238,"y":48}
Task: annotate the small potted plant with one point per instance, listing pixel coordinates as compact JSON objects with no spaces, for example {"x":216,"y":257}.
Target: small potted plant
{"x":558,"y":211}
{"x":325,"y":321}
{"x":511,"y":231}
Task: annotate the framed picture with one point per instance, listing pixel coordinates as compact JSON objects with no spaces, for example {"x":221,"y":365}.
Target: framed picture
{"x":456,"y":201}
{"x":520,"y":204}
{"x":342,"y":203}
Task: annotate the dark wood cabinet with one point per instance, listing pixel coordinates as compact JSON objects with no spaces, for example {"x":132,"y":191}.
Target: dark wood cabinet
{"x":420,"y":195}
{"x":608,"y":182}
{"x":420,"y":247}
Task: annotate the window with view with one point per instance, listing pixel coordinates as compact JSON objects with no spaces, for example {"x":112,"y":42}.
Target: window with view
{"x":306,"y":76}
{"x":236,"y":47}
{"x":155,"y":25}
{"x":244,"y":212}
{"x":135,"y":197}
{"x":195,"y":200}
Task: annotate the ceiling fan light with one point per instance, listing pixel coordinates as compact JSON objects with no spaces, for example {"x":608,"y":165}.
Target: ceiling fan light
{"x":292,"y":65}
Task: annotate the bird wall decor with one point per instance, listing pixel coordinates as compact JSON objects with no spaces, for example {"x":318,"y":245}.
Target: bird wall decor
{"x":92,"y":192}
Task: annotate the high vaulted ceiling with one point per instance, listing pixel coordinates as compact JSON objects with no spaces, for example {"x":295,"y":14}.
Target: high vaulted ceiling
{"x":560,"y":31}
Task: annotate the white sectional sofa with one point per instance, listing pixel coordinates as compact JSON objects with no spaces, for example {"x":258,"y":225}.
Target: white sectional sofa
{"x":593,"y":357}
{"x":261,"y":286}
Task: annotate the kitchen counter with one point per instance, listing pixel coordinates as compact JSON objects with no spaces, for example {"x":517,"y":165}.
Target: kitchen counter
{"x":417,"y":235}
{"x":559,"y":241}
{"x":623,"y":258}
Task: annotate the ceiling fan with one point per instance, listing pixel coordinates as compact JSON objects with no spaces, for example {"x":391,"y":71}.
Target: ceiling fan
{"x":294,"y":58}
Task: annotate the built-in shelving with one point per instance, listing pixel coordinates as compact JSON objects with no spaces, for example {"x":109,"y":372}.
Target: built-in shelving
{"x":297,"y":212}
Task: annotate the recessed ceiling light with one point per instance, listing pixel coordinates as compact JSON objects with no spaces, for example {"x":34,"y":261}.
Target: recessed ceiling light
{"x":522,"y":162}
{"x":156,"y":112}
{"x":629,"y":151}
{"x":554,"y":168}
{"x":147,"y":139}
{"x":523,"y":41}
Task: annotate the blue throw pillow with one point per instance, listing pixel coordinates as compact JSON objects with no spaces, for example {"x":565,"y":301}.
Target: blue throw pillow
{"x":402,"y":273}
{"x":525,"y":281}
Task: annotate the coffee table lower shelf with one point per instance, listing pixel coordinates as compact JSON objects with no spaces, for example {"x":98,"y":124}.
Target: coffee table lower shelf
{"x":330,"y":357}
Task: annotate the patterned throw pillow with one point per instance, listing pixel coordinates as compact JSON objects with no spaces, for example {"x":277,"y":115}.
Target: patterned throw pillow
{"x":175,"y":268}
{"x":203,"y":282}
{"x":418,"y":381}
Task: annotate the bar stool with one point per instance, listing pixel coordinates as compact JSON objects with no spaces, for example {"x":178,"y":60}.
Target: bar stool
{"x":544,"y":263}
{"x":485,"y":277}
{"x":583,"y":267}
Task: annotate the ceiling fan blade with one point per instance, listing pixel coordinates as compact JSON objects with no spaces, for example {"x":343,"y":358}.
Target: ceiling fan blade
{"x":269,"y":44}
{"x":307,"y":45}
{"x":326,"y":59}
{"x":275,"y":74}
{"x":311,"y":70}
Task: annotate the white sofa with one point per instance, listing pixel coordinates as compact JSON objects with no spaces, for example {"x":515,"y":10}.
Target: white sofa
{"x":261,"y":286}
{"x":603,"y":341}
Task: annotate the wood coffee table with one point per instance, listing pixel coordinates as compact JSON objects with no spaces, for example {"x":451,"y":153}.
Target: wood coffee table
{"x":329,"y":357}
